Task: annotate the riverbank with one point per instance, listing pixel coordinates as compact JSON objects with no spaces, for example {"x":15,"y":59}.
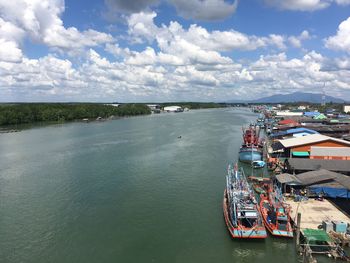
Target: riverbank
{"x":17,"y":116}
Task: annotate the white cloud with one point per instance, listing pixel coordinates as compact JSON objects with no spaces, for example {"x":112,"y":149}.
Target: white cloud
{"x":142,"y":27}
{"x":300,"y":5}
{"x":341,"y":41}
{"x":40,"y":20}
{"x":343,"y":2}
{"x":296,"y":41}
{"x":304,"y":5}
{"x":9,"y":51}
{"x":177,"y":63}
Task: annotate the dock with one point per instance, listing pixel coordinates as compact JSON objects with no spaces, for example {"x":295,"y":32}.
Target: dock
{"x":313,"y":212}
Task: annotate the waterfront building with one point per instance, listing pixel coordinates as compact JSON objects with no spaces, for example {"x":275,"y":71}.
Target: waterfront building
{"x":301,"y":147}
{"x":173,"y":109}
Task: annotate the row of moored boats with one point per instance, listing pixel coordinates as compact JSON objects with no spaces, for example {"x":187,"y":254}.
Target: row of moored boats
{"x":248,"y":213}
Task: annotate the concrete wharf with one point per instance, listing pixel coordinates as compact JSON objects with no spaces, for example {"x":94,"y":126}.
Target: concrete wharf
{"x":313,"y":212}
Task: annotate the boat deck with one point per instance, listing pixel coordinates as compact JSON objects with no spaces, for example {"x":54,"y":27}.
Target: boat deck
{"x":313,"y":212}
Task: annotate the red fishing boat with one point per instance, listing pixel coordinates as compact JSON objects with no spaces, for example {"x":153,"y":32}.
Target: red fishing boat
{"x":275,"y":213}
{"x":251,"y":149}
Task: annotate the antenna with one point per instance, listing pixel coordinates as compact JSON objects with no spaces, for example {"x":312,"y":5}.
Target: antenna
{"x":324,"y":95}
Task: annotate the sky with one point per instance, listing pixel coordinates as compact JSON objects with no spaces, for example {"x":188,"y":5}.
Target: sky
{"x":172,"y":50}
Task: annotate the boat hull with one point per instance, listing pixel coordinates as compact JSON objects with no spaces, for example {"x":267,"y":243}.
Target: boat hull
{"x":270,"y":226}
{"x":240,"y":232}
{"x":248,"y":155}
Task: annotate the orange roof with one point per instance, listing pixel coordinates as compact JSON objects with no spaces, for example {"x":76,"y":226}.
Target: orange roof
{"x":287,"y":121}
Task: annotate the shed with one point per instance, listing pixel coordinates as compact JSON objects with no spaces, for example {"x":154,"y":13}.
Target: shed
{"x":295,"y":164}
{"x":320,"y":117}
{"x":289,"y":179}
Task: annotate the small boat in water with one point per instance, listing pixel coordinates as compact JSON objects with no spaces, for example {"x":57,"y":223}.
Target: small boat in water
{"x":258,"y":164}
{"x":276,"y":213}
{"x":241,"y":212}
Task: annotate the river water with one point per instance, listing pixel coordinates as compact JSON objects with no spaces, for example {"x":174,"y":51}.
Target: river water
{"x":127,"y":190}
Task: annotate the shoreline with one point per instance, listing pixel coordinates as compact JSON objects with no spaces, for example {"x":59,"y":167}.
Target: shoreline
{"x":5,"y":129}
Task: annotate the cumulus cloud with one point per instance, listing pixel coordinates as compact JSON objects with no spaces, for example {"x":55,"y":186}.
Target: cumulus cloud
{"x":304,"y":5}
{"x":9,"y":51}
{"x":40,"y":20}
{"x":142,"y":27}
{"x":341,"y":41}
{"x":296,"y":41}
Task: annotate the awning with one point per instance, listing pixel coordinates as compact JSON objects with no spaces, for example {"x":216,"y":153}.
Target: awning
{"x":301,"y":154}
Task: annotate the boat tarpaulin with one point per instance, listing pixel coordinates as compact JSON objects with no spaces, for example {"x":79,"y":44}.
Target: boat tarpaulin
{"x":316,"y":235}
{"x":331,"y":191}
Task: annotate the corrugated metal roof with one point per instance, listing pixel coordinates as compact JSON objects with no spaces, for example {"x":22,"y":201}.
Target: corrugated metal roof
{"x":313,"y":138}
{"x":294,"y":131}
{"x":315,"y":164}
{"x":330,"y":151}
{"x":344,"y":180}
{"x":317,"y":176}
{"x":286,"y":178}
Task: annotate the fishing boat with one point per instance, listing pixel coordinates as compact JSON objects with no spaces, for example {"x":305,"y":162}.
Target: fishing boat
{"x":258,"y":188}
{"x":249,"y":154}
{"x":241,"y":212}
{"x":251,"y":149}
{"x":276,"y":213}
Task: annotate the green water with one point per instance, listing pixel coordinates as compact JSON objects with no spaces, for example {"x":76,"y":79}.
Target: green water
{"x":127,"y":190}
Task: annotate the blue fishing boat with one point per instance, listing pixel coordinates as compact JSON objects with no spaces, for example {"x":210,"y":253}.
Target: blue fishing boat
{"x":242,"y":217}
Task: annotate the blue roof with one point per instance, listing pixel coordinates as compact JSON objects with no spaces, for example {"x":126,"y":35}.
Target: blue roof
{"x":311,"y":113}
{"x":292,"y":131}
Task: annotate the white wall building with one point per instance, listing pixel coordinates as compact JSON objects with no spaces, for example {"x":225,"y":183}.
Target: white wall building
{"x":173,"y":109}
{"x":346,"y":108}
{"x":289,"y":113}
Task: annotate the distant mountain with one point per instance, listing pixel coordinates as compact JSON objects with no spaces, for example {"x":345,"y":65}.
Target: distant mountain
{"x":295,"y":97}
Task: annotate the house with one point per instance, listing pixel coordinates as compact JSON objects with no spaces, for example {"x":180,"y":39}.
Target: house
{"x":301,"y":146}
{"x":173,"y":109}
{"x":347,"y":108}
{"x":289,"y":113}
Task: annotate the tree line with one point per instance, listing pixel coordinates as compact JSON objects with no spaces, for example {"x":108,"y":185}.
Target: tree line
{"x":11,"y":114}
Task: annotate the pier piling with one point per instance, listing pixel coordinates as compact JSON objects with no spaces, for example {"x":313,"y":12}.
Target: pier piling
{"x":298,"y":231}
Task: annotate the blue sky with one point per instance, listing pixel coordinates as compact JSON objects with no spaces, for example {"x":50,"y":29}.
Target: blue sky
{"x":172,"y":50}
